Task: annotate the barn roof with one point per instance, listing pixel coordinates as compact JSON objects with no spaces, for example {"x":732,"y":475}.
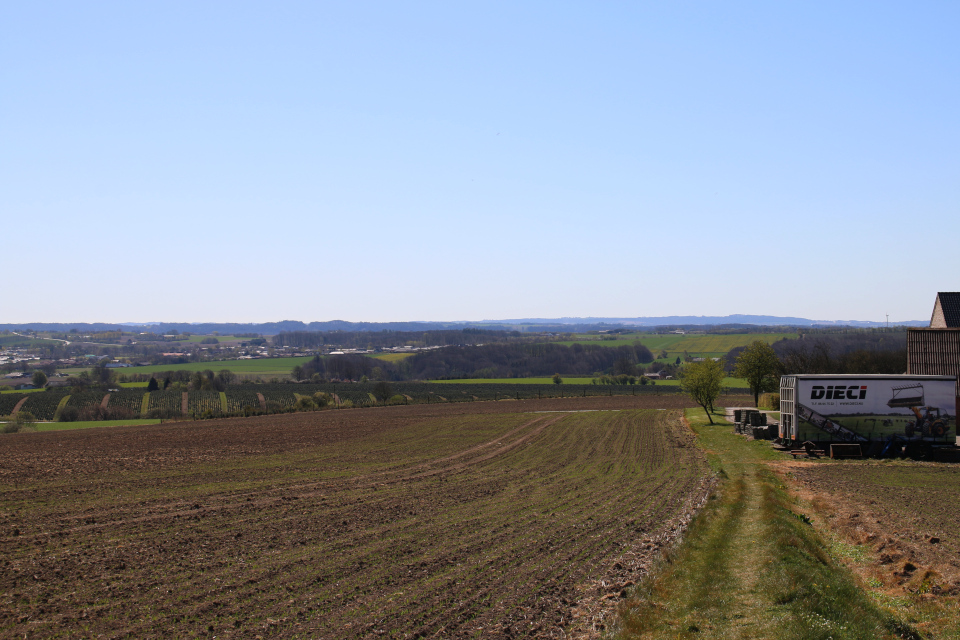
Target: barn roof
{"x":946,"y":310}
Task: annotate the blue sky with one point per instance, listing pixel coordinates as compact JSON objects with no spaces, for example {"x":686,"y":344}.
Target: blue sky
{"x":458,"y":161}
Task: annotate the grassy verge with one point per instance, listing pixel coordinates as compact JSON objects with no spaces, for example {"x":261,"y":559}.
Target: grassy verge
{"x":67,"y":426}
{"x":751,"y":566}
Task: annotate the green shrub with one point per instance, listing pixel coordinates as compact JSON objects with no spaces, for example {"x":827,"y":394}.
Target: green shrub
{"x":305,"y":403}
{"x":770,"y":401}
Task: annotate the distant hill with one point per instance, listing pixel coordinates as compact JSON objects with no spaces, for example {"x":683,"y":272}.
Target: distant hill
{"x":522,"y":324}
{"x":660,"y":321}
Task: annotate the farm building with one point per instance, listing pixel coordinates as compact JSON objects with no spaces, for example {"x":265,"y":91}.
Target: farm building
{"x":946,"y":311}
{"x":935,"y":350}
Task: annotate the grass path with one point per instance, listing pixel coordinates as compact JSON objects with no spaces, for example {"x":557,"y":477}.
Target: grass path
{"x":751,"y":566}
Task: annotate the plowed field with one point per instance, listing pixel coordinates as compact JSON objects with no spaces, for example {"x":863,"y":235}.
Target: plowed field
{"x":494,"y":520}
{"x":906,"y":512}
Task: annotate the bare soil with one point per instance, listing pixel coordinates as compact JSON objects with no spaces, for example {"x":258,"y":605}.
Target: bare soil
{"x":905,"y":518}
{"x":495,"y":520}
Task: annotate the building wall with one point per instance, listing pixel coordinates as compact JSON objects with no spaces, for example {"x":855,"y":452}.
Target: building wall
{"x":934,"y":352}
{"x":937,"y":320}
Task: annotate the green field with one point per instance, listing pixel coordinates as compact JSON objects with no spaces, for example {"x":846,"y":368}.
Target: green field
{"x":705,"y":345}
{"x":12,"y":390}
{"x":260,"y":367}
{"x":199,"y":338}
{"x":21,"y":341}
{"x":391,"y":357}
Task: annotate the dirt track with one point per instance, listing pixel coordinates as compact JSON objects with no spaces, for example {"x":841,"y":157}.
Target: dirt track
{"x":424,"y":521}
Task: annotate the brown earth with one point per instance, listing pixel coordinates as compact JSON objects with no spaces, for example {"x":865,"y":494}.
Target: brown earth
{"x":494,"y":519}
{"x":904,"y":517}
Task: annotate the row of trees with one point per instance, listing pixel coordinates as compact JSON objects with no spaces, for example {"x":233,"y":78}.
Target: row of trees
{"x":522,"y":361}
{"x":856,"y":351}
{"x":860,"y":352}
{"x":757,"y":364}
{"x":499,"y":360}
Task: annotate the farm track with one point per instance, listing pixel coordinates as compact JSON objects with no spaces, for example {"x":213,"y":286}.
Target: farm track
{"x":395,"y":522}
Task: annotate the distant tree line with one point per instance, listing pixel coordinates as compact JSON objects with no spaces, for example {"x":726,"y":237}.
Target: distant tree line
{"x":523,"y":360}
{"x":854,"y":351}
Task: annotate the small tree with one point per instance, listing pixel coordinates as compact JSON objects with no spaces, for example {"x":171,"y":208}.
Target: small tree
{"x":39,"y":379}
{"x":153,"y":385}
{"x":101,"y":374}
{"x":25,"y":418}
{"x":297,"y":373}
{"x":382,"y":391}
{"x":321,"y":399}
{"x":759,"y":366}
{"x":702,"y":381}
{"x":557,"y":379}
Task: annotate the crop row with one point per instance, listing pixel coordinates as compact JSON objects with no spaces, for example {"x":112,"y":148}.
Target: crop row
{"x":280,"y":397}
{"x":8,"y":401}
{"x":43,"y":405}
{"x":201,"y":403}
{"x":429,"y":525}
{"x":242,"y":399}
{"x":165,"y":403}
{"x":130,"y":399}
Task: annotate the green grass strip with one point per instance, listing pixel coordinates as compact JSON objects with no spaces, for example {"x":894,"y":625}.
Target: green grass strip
{"x":751,"y":566}
{"x":60,"y":406}
{"x":145,"y":404}
{"x":69,"y":426}
{"x":223,"y":401}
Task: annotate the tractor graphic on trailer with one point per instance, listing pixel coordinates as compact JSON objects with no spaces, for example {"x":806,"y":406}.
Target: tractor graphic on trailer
{"x":929,"y":423}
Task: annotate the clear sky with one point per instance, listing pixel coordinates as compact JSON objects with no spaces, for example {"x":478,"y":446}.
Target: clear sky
{"x":376,"y":161}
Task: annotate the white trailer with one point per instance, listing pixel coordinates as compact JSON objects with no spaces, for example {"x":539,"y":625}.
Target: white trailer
{"x":868,"y":408}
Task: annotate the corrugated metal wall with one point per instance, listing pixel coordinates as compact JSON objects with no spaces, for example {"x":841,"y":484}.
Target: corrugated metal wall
{"x":934,"y":352}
